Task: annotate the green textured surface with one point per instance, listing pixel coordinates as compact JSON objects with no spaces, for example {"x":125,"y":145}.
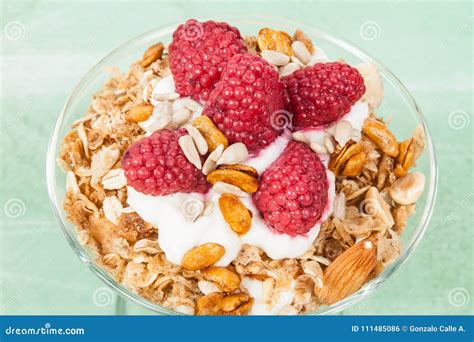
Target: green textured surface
{"x":47,"y":46}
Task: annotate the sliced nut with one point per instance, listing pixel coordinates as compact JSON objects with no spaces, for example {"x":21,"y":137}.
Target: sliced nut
{"x":225,"y":279}
{"x":301,"y":137}
{"x":234,"y":154}
{"x":199,"y":140}
{"x":406,"y":157}
{"x":114,"y":179}
{"x":301,"y":51}
{"x":181,"y":116}
{"x":202,"y":256}
{"x":355,"y":164}
{"x":209,"y":304}
{"x":275,"y":58}
{"x":348,"y":272}
{"x":288,"y":69}
{"x":207,"y":287}
{"x":139,"y":113}
{"x":318,"y":148}
{"x":226,"y":188}
{"x":269,"y":39}
{"x":242,"y":180}
{"x":211,"y":162}
{"x":242,"y":168}
{"x":235,"y":213}
{"x":339,"y":211}
{"x":408,"y":189}
{"x":153,"y":53}
{"x":209,"y":131}
{"x":373,"y":84}
{"x":328,"y":144}
{"x":381,"y":136}
{"x":302,"y":37}
{"x":186,"y":143}
{"x":342,"y":154}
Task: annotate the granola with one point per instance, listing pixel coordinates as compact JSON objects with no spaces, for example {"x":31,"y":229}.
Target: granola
{"x":375,"y":193}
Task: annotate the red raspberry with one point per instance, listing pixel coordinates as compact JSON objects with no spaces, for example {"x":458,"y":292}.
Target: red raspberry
{"x":293,"y":191}
{"x":156,"y":165}
{"x":199,"y":52}
{"x":322,"y":94}
{"x":243,"y":102}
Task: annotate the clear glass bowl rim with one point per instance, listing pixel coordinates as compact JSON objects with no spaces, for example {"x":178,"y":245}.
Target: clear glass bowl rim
{"x":371,"y":286}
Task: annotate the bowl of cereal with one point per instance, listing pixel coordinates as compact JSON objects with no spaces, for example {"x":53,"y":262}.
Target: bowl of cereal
{"x":244,"y":166}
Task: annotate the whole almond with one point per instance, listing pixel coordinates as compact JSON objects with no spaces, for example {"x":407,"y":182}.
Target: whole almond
{"x":153,"y":53}
{"x":225,"y":279}
{"x":202,"y":256}
{"x":348,"y":272}
{"x":139,"y":113}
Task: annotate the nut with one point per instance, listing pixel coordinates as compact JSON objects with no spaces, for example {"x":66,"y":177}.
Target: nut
{"x":342,"y":154}
{"x":153,"y":53}
{"x":139,"y":113}
{"x":225,"y":279}
{"x":382,"y":137}
{"x":355,"y":164}
{"x":198,"y":139}
{"x":348,"y":272}
{"x":406,"y":157}
{"x":288,"y":69}
{"x":302,"y":37}
{"x":232,"y":302}
{"x":209,"y":304}
{"x":226,"y":188}
{"x":235,"y":213}
{"x":343,"y":132}
{"x":186,"y":143}
{"x":211,"y":162}
{"x":269,"y":39}
{"x":202,"y":256}
{"x":301,"y":51}
{"x":240,"y":179}
{"x":242,"y":168}
{"x":408,"y":189}
{"x":275,"y":58}
{"x":234,"y":154}
{"x":209,"y":131}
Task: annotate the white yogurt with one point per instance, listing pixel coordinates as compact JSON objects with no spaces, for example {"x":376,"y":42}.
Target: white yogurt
{"x":177,"y":234}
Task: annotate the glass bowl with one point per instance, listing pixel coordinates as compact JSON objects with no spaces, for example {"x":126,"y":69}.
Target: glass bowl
{"x":398,"y":105}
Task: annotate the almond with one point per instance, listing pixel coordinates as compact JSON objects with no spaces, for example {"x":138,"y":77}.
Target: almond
{"x":235,"y":213}
{"x":210,"y":132}
{"x":348,"y":272}
{"x":153,"y":53}
{"x":242,"y":180}
{"x":202,"y":256}
{"x":225,"y":279}
{"x":139,"y":113}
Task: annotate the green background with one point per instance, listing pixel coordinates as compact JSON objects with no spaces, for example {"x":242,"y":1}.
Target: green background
{"x":48,"y":45}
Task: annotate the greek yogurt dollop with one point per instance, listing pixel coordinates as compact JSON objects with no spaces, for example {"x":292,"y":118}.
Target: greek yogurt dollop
{"x":178,"y":234}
